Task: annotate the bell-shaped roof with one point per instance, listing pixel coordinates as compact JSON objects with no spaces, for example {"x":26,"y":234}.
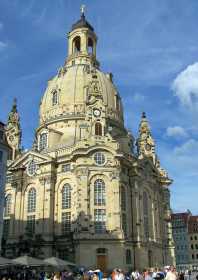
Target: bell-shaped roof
{"x":82,"y":22}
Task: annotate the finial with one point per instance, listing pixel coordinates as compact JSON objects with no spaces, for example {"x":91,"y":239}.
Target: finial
{"x":143,"y":115}
{"x":14,"y":106}
{"x":82,"y":10}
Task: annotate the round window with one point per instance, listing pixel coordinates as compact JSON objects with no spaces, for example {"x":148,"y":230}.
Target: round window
{"x":99,"y":158}
{"x":31,"y":168}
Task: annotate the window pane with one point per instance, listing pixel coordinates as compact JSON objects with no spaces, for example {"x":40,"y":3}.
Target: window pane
{"x":99,"y":158}
{"x":31,"y":224}
{"x":99,"y":192}
{"x":66,"y":197}
{"x":8,"y":201}
{"x":31,"y":200}
{"x":100,"y":220}
{"x":54,"y":98}
{"x":98,"y":129}
{"x":66,"y":167}
{"x":66,"y":222}
{"x":43,"y":141}
{"x":123,"y":199}
{"x":6,"y":228}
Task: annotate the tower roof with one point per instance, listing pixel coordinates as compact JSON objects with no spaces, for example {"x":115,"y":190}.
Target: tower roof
{"x":82,"y":22}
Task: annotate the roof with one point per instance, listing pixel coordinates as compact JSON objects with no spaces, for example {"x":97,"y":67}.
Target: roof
{"x":193,"y":224}
{"x":82,"y":22}
{"x":183,"y":216}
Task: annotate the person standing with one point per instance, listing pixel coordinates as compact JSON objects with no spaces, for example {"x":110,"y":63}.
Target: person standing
{"x":171,"y":274}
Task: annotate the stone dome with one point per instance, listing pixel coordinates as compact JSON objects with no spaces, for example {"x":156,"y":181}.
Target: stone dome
{"x":75,"y":88}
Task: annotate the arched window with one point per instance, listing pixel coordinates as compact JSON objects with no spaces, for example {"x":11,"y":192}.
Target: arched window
{"x":98,"y":129}
{"x":8,"y":201}
{"x":31,"y":200}
{"x":76,"y":44}
{"x":123,"y":199}
{"x":43,"y":141}
{"x":90,"y":46}
{"x":66,"y":196}
{"x":99,"y":192}
{"x":146,"y":215}
{"x":54,"y":98}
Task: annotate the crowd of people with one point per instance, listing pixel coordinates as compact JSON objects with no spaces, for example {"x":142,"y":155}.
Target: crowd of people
{"x":168,"y":273}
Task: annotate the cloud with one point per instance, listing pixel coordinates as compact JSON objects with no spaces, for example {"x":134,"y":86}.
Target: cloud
{"x":185,"y":86}
{"x":188,"y":149}
{"x":176,"y":131}
{"x":2,"y":46}
{"x":138,"y":97}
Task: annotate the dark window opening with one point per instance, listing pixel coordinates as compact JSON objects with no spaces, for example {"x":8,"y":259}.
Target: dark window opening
{"x":77,"y":44}
{"x":90,"y":46}
{"x":98,"y":129}
{"x":128,"y":256}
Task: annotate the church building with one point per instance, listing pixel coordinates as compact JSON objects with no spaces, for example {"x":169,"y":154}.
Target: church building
{"x":87,"y":191}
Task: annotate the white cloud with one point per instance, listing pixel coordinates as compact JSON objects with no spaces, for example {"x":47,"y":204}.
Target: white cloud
{"x":188,"y":149}
{"x":138,"y":97}
{"x":185,"y":86}
{"x":176,"y":131}
{"x":2,"y":45}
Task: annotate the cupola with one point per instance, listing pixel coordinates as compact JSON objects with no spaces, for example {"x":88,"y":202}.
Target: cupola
{"x":82,"y":42}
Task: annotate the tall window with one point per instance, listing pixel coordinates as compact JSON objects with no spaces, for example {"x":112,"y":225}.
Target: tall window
{"x":6,"y":228}
{"x":66,"y":196}
{"x":43,"y":141}
{"x":146,"y":215}
{"x":123,"y":199}
{"x":31,"y":200}
{"x":98,"y":129}
{"x":66,"y":222}
{"x":90,"y":46}
{"x":31,"y":224}
{"x":8,"y":201}
{"x":123,"y":209}
{"x":99,"y":192}
{"x":100,"y":220}
{"x":54,"y":98}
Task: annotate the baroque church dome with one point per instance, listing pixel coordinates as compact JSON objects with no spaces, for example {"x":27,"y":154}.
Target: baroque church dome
{"x":72,"y":93}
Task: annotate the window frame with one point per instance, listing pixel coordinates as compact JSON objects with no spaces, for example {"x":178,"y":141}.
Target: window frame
{"x":31,"y":200}
{"x":43,"y":144}
{"x":99,"y":193}
{"x":66,"y":197}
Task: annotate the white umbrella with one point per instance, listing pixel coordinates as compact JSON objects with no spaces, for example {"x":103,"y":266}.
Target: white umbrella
{"x":5,"y":262}
{"x":28,"y":261}
{"x":53,"y":261}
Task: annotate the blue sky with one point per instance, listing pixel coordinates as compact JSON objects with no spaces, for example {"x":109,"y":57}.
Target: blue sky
{"x":150,"y":46}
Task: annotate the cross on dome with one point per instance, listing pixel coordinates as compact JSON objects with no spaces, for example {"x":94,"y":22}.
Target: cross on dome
{"x":82,"y":9}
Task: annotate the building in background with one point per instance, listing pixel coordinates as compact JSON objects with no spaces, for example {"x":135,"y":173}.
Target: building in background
{"x":85,"y":192}
{"x":185,"y":235}
{"x":180,"y":224}
{"x":4,"y":152}
{"x":193,"y":241}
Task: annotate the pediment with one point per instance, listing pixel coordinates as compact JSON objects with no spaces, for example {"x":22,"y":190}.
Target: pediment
{"x":26,"y":157}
